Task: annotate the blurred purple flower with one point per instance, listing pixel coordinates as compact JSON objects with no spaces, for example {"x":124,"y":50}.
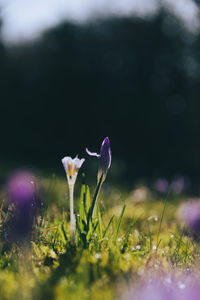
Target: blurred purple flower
{"x":191,"y":292}
{"x":22,"y":192}
{"x":158,"y":290}
{"x":104,"y":157}
{"x":155,"y":291}
{"x":190,"y":215}
{"x":179,"y":184}
{"x":21,"y":188}
{"x":150,"y":290}
{"x":161,"y":185}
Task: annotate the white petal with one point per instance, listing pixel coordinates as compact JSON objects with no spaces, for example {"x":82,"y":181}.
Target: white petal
{"x":92,"y":153}
{"x":78,"y":162}
{"x":66,"y":161}
{"x":81,"y":162}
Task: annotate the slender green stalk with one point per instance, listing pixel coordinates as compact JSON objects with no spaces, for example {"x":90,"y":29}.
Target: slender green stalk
{"x":94,"y":200}
{"x":119,"y":223}
{"x":72,"y":217}
{"x":159,"y":229}
{"x":107,"y":227}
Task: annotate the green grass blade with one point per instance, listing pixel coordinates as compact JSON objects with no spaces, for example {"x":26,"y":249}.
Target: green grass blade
{"x":160,"y":224}
{"x":119,"y":223}
{"x":100,"y":222}
{"x":87,"y":200}
{"x":82,"y":207}
{"x":64,"y":232}
{"x":107,"y":227}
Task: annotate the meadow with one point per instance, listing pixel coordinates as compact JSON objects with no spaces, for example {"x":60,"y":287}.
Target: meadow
{"x":133,"y":235}
{"x":127,"y":229}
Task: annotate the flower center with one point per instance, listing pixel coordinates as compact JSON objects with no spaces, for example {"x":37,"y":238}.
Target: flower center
{"x":71,"y":170}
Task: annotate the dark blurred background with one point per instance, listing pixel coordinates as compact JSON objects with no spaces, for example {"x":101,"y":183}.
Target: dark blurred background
{"x":136,"y":80}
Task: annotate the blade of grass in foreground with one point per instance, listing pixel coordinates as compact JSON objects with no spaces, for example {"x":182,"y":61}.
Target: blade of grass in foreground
{"x":119,"y":223}
{"x":100,"y":222}
{"x":87,"y":200}
{"x":63,"y":231}
{"x":161,"y":219}
{"x":82,"y":207}
{"x":106,"y":230}
{"x":178,"y":247}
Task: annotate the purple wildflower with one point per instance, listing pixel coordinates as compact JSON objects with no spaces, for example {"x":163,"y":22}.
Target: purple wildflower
{"x":104,"y":157}
{"x":179,"y":184}
{"x":190,"y":215}
{"x":153,"y":290}
{"x":158,"y":290}
{"x":21,"y":188}
{"x":191,"y":292}
{"x":161,"y":185}
{"x":22,"y":192}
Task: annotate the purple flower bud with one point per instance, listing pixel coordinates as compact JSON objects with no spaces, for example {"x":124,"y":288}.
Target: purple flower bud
{"x":22,"y":192}
{"x":104,"y":156}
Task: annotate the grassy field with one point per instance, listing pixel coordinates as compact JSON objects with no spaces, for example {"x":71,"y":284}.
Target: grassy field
{"x":130,"y":238}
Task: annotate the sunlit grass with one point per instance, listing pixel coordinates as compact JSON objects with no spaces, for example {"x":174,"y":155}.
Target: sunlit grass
{"x":125,"y":241}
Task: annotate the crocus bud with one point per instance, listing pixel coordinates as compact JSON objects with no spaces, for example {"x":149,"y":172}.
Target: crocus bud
{"x":104,"y":157}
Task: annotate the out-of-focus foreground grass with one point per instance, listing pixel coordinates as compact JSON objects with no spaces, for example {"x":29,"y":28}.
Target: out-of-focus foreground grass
{"x":150,"y":240}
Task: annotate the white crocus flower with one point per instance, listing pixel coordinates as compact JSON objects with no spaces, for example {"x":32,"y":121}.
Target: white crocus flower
{"x":72,"y":167}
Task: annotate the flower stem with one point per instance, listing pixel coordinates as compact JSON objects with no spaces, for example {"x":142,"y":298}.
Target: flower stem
{"x":96,"y":200}
{"x":72,"y":216}
{"x":91,"y":210}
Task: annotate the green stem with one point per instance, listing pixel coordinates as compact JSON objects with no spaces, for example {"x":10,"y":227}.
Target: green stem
{"x":94,"y":200}
{"x":72,"y":216}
